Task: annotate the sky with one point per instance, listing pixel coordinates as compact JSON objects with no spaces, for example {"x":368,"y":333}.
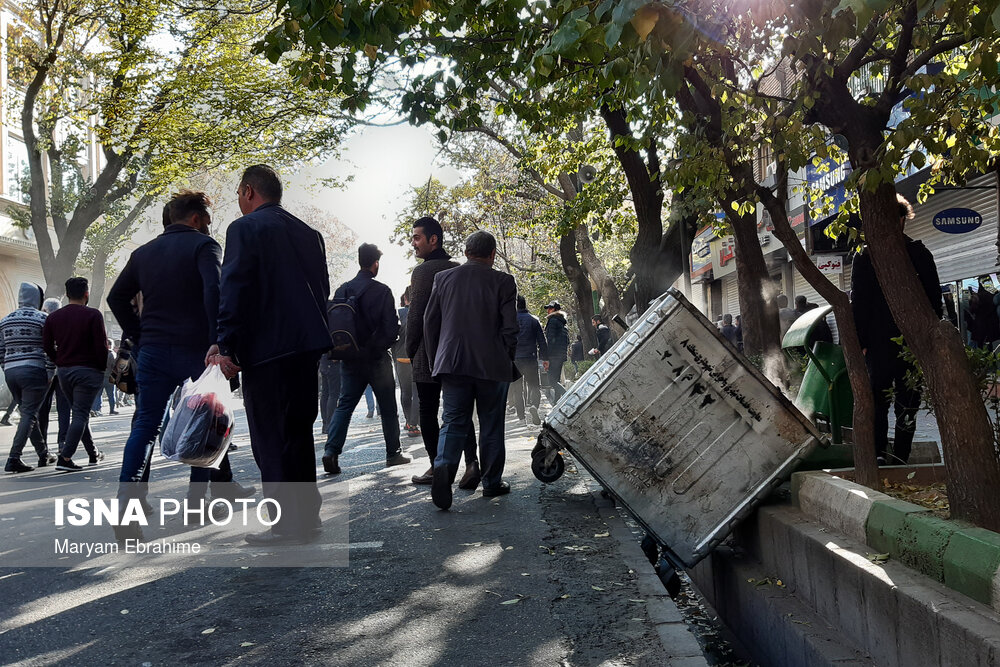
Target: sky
{"x":385,"y":163}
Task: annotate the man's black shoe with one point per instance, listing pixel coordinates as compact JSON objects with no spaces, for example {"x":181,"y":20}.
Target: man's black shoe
{"x":441,"y":487}
{"x":501,"y":489}
{"x":67,"y":465}
{"x":129,"y":532}
{"x":534,"y":415}
{"x":371,"y":415}
{"x":96,"y":457}
{"x":269,"y":539}
{"x":46,"y":460}
{"x":232,"y":491}
{"x":426,"y":478}
{"x":331,"y":465}
{"x":15,"y":465}
{"x":113,"y":412}
{"x":397,"y":460}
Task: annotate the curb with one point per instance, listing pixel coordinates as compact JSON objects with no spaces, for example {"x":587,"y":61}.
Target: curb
{"x":962,"y":557}
{"x":675,"y":636}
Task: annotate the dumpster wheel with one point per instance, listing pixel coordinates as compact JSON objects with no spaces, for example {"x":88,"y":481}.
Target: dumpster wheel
{"x":550,"y":473}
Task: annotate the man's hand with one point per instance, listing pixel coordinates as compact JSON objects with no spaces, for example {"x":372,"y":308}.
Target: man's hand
{"x":545,"y":365}
{"x":225,"y":364}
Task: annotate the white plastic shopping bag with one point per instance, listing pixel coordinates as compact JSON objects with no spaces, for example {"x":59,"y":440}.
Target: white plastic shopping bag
{"x":201,"y":426}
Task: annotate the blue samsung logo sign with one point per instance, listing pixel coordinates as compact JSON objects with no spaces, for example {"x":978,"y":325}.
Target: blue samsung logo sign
{"x":957,"y":220}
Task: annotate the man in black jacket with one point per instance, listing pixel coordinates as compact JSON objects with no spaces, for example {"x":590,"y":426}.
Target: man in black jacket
{"x":378,"y":329}
{"x":428,"y":244}
{"x":876,"y":329}
{"x":272,"y":325}
{"x":178,"y":276}
{"x":557,"y":336}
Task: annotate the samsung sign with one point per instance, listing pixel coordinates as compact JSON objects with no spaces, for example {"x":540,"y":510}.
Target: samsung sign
{"x":957,"y":220}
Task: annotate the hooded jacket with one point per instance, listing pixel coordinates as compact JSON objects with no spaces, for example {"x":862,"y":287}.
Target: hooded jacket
{"x":530,"y":341}
{"x":557,"y":335}
{"x":21,"y":331}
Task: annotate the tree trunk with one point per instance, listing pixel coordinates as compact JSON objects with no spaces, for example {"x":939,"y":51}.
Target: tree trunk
{"x":865,"y":468}
{"x":758,"y":311}
{"x":643,"y":178}
{"x":581,"y":288}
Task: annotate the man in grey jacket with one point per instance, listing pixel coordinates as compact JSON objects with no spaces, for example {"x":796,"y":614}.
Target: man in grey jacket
{"x":23,"y":359}
{"x":470,"y":330}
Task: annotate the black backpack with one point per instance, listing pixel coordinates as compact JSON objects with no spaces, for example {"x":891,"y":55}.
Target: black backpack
{"x":347,"y":327}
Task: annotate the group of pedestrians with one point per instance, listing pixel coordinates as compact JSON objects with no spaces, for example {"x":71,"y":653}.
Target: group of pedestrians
{"x":63,"y":354}
{"x":259,"y":313}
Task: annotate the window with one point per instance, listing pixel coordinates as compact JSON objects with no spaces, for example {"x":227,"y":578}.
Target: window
{"x":16,"y":169}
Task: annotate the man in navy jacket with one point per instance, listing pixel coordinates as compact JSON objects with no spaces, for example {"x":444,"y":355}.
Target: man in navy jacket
{"x":272,"y":325}
{"x":177,"y":274}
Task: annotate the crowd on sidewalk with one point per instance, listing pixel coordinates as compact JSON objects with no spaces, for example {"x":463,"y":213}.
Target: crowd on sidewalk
{"x":461,"y":341}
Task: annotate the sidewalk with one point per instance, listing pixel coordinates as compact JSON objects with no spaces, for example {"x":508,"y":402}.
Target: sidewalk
{"x":545,"y":575}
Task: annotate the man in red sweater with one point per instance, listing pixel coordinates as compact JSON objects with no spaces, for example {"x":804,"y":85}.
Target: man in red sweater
{"x":75,"y":339}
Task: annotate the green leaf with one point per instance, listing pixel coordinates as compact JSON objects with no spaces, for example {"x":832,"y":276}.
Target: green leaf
{"x":613,"y":34}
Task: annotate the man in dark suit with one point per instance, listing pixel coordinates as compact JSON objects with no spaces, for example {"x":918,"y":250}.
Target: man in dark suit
{"x":178,"y":276}
{"x":470,"y":331}
{"x":876,"y":330}
{"x":272,"y":326}
{"x":427,"y":242}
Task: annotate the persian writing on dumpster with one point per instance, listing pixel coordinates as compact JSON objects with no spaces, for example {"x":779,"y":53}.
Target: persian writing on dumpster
{"x":723,"y":384}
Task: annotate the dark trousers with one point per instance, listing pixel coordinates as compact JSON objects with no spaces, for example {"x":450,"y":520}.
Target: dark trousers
{"x":429,"y":394}
{"x":160,"y":370}
{"x":329,"y":391}
{"x":556,"y":390}
{"x":408,"y":398}
{"x":28,"y":385}
{"x":81,"y":385}
{"x":461,"y":395}
{"x":887,"y":371}
{"x":62,"y":413}
{"x":281,"y":399}
{"x":525,"y":390}
{"x":355,"y":375}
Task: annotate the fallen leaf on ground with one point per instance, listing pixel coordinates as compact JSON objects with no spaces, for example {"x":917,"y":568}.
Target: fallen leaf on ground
{"x":877,"y":558}
{"x":602,"y":535}
{"x":208,"y":631}
{"x":636,"y":600}
{"x":597,"y":588}
{"x":514,"y":601}
{"x":245,"y":644}
{"x":124,"y":611}
{"x":471,"y":544}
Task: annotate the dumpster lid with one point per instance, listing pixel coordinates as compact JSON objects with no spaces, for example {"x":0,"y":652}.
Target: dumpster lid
{"x":798,"y":334}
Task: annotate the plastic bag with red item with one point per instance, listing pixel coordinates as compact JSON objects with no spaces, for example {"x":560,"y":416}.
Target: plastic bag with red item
{"x":201,"y":426}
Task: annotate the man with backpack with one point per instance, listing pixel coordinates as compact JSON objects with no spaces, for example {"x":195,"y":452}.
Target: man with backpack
{"x":365,"y":306}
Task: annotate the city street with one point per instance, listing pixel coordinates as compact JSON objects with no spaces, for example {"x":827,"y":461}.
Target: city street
{"x":545,"y":575}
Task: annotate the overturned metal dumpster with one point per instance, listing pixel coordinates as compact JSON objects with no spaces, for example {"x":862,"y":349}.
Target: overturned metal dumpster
{"x":676,"y":425}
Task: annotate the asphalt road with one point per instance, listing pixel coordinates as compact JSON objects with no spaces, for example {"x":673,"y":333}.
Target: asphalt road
{"x":534,"y":577}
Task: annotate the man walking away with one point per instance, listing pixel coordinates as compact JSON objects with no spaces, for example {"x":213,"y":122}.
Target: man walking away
{"x":728,"y":331}
{"x":404,"y":372}
{"x":603,"y":335}
{"x":557,"y":337}
{"x":23,"y":359}
{"x":178,"y":276}
{"x":470,"y":328}
{"x":272,"y":324}
{"x":378,"y":328}
{"x":427,"y":242}
{"x":530,"y":347}
{"x":75,"y":339}
{"x":876,"y":330}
